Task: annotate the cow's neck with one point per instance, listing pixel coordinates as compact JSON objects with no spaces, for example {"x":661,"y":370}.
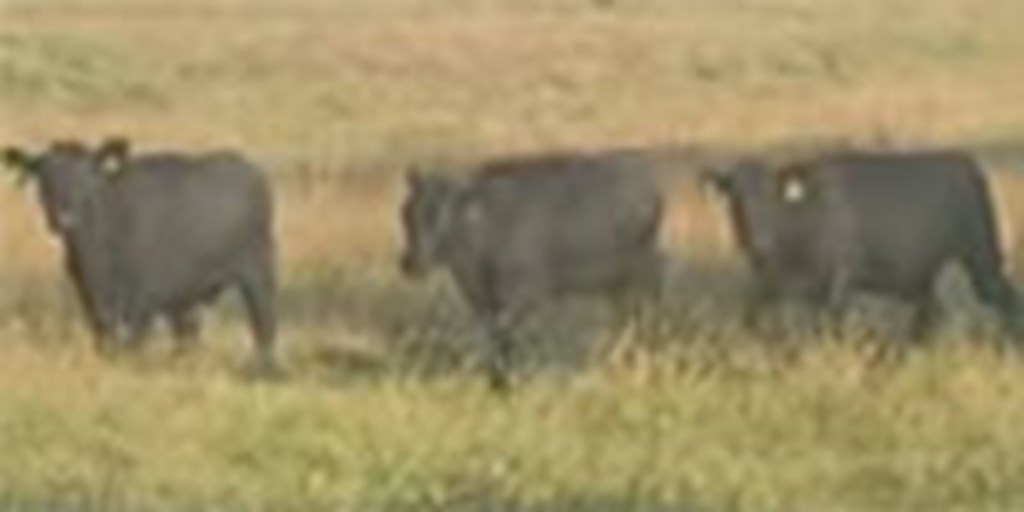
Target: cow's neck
{"x":93,"y":247}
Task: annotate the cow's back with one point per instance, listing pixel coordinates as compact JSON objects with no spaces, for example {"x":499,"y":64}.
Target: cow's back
{"x":909,"y":211}
{"x":183,"y":218}
{"x":915,"y":188}
{"x":563,"y":221}
{"x":887,"y":180}
{"x":584,"y":200}
{"x":566,"y":182}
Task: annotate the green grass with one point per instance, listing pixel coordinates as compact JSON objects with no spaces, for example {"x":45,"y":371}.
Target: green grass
{"x":382,"y":410}
{"x":829,"y":432}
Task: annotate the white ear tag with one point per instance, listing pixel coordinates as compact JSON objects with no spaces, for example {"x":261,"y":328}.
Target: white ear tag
{"x":111,"y":167}
{"x":794,"y":190}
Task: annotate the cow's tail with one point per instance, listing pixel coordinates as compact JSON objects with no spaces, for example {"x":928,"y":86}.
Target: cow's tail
{"x":983,"y":246}
{"x":653,"y":219}
{"x":982,"y":252}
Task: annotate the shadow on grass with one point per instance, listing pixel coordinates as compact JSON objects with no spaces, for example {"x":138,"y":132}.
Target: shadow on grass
{"x":374,"y":321}
{"x":341,"y":323}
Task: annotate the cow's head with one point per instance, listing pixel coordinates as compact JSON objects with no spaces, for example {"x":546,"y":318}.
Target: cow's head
{"x":69,"y":177}
{"x":429,"y":215}
{"x":764,"y":203}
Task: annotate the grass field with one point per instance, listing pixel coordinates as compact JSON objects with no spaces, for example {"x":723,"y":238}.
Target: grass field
{"x":382,"y":410}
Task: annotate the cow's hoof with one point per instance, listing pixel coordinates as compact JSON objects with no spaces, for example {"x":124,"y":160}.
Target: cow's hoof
{"x":265,"y":370}
{"x":499,"y":382}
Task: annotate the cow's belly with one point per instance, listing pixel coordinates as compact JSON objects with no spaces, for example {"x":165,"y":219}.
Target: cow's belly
{"x":595,"y":271}
{"x":905,"y":275}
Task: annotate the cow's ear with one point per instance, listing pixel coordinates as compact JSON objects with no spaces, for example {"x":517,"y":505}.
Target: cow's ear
{"x":112,"y":155}
{"x":20,"y":161}
{"x":17,"y":158}
{"x":420,"y":179}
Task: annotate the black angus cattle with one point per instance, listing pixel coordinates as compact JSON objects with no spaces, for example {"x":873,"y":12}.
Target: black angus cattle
{"x":522,"y":230}
{"x":823,"y":226}
{"x":158,"y":234}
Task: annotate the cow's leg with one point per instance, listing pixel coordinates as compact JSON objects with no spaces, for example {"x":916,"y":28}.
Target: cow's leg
{"x":258,"y":289}
{"x":638,"y":289}
{"x":927,"y":311}
{"x":98,"y":313}
{"x":981,"y":256}
{"x":185,"y":327}
{"x":138,"y":323}
{"x":836,"y":307}
{"x":646,"y":285}
{"x":103,"y":325}
{"x":629,"y":307}
{"x":501,"y":329}
{"x":764,"y":294}
{"x":830,"y":302}
{"x":505,"y":314}
{"x":499,"y":306}
{"x":993,"y":288}
{"x":511,"y":307}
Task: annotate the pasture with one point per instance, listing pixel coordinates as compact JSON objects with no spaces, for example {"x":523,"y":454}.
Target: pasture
{"x":383,"y":409}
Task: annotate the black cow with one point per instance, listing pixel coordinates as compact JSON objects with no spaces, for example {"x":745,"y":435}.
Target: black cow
{"x":157,"y":234}
{"x":885,"y":222}
{"x":518,"y":231}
